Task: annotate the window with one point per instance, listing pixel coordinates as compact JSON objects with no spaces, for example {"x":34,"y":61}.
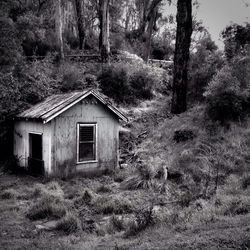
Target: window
{"x":86,"y":143}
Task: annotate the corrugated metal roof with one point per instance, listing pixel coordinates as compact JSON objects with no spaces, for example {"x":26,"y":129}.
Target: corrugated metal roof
{"x":57,"y":104}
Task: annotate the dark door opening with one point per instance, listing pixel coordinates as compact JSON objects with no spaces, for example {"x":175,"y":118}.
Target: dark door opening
{"x":36,"y":163}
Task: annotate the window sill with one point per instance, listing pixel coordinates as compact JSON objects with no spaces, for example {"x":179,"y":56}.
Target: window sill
{"x":85,"y":162}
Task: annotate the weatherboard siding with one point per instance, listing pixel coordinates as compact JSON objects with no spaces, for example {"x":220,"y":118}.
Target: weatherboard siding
{"x":64,"y":137}
{"x":21,"y":142}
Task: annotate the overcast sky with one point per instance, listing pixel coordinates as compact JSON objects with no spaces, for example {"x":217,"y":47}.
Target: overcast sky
{"x":217,"y":14}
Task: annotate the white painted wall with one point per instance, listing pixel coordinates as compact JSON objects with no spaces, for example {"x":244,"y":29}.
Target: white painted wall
{"x":64,"y":143}
{"x":21,"y":141}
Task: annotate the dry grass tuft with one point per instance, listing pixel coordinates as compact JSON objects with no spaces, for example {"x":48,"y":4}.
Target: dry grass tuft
{"x":112,"y":204}
{"x":69,"y":224}
{"x":85,"y":198}
{"x":52,"y":188}
{"x":143,"y":219}
{"x":48,"y":206}
{"x":117,"y":223}
{"x":103,"y":189}
{"x":142,"y":179}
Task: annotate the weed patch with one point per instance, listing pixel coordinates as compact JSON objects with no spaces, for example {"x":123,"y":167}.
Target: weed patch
{"x":47,"y":207}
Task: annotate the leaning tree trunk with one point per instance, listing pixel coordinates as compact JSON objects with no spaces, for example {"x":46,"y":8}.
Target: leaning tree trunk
{"x":104,"y":45}
{"x":181,"y":56}
{"x":80,"y":21}
{"x":59,"y":27}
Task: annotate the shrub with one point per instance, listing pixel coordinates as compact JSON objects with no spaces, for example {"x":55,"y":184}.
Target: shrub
{"x":128,"y":83}
{"x":141,"y":83}
{"x":225,"y":99}
{"x":225,"y":107}
{"x":48,"y":206}
{"x":72,"y":78}
{"x":204,"y":64}
{"x":114,"y":82}
{"x":223,"y":82}
{"x":69,"y":224}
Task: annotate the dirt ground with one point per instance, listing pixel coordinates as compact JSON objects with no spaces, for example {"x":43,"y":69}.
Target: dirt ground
{"x":19,"y":232}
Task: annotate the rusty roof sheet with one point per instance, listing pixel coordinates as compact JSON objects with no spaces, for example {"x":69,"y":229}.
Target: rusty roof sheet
{"x":56,"y":104}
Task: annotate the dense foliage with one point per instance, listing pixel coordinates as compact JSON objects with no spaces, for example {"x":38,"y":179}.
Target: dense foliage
{"x":236,"y":39}
{"x":130,"y":83}
{"x":205,"y":61}
{"x":227,"y":95}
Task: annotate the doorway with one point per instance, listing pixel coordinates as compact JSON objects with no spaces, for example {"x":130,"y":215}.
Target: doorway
{"x":36,"y":163}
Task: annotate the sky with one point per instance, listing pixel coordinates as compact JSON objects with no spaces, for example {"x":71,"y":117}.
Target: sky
{"x":217,"y":14}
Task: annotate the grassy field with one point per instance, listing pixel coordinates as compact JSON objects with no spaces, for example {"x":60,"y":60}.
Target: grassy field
{"x":98,"y":229}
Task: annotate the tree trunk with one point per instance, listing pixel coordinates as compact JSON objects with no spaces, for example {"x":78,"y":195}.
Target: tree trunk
{"x":104,"y":45}
{"x":151,"y":24}
{"x":59,"y":28}
{"x":181,"y":57}
{"x":80,"y":22}
{"x":148,"y":11}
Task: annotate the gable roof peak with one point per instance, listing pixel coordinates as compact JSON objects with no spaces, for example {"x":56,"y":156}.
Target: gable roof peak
{"x":54,"y":105}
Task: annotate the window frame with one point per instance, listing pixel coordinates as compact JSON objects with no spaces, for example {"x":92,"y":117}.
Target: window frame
{"x":79,"y":125}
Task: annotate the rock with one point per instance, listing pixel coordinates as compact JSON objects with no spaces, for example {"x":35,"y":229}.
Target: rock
{"x":40,"y":227}
{"x":126,"y":56}
{"x":114,"y":186}
{"x":124,"y":166}
{"x":50,"y":225}
{"x":186,"y":153}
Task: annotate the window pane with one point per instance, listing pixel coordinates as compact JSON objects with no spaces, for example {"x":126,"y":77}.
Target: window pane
{"x":86,"y":133}
{"x":86,"y":151}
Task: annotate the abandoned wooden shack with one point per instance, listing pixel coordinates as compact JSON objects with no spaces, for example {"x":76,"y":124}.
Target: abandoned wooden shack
{"x":68,"y":133}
